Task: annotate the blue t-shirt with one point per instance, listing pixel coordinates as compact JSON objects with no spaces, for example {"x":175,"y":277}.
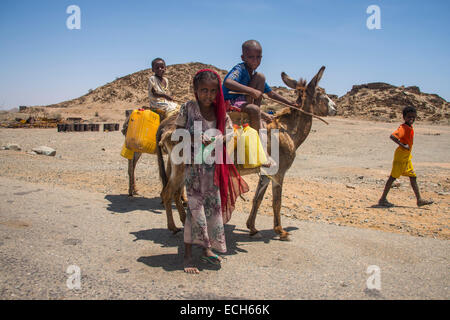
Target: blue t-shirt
{"x":239,"y":74}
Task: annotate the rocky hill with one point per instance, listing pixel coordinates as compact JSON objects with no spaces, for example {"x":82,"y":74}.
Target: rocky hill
{"x":373,"y":101}
{"x":384,"y":102}
{"x":109,"y":101}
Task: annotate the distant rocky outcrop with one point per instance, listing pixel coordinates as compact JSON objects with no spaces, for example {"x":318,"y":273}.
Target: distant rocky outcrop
{"x":384,"y":102}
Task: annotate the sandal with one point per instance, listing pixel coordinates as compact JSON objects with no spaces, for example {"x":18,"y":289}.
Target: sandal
{"x":385,"y":204}
{"x":211,"y":259}
{"x":424,"y":203}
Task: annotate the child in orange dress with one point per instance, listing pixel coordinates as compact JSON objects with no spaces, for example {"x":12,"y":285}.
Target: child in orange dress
{"x":402,"y":165}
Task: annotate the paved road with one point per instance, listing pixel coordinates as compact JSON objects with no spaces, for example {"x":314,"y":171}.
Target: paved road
{"x":124,"y":251}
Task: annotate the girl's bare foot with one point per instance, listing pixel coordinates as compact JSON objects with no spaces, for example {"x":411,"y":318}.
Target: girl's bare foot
{"x":189,"y":267}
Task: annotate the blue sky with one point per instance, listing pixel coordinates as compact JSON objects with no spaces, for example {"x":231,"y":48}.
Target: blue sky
{"x":43,"y":62}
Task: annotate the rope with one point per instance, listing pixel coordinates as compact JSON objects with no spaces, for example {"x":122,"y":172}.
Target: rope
{"x":303,"y":101}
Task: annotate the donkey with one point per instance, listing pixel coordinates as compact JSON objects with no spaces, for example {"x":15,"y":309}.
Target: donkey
{"x":293,"y":125}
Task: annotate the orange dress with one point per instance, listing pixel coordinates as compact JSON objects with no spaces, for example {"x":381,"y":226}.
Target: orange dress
{"x":402,"y":164}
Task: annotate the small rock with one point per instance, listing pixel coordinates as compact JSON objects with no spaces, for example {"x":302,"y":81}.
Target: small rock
{"x":443,"y":193}
{"x":31,"y":152}
{"x":13,"y":146}
{"x":72,"y":242}
{"x":123,"y":271}
{"x":47,"y":151}
{"x":350,"y":186}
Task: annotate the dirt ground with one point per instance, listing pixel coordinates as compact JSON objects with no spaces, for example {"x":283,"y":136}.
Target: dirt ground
{"x":337,"y":177}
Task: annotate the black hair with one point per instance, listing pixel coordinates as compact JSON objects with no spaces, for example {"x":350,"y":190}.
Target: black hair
{"x":409,"y":109}
{"x":251,"y":44}
{"x":202,"y":76}
{"x":156,"y":60}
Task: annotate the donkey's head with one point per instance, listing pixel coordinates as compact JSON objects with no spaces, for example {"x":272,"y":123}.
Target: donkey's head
{"x":311,"y":93}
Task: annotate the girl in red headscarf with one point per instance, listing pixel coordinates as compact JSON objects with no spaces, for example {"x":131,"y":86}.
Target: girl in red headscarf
{"x":212,"y":187}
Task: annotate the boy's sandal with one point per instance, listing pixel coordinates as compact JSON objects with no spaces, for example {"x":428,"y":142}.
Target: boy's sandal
{"x":424,"y":203}
{"x":385,"y":204}
{"x":212,"y":260}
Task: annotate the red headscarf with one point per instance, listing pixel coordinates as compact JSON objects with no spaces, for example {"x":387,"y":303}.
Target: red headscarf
{"x":226,"y":176}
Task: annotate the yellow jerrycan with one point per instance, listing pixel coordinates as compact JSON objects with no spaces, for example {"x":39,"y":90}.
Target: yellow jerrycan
{"x":250,"y":152}
{"x":126,"y":153}
{"x":141,"y":133}
{"x":231,"y":145}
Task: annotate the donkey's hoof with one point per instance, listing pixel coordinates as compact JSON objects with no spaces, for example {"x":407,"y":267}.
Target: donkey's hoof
{"x":132,"y":193}
{"x":176,"y":230}
{"x":255,"y":235}
{"x":284,"y":237}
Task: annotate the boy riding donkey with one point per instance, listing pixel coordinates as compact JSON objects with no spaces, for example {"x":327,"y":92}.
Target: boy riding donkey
{"x":161,"y":102}
{"x":251,"y":85}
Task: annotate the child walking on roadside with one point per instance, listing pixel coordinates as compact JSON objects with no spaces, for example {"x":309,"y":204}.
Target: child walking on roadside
{"x":402,"y":165}
{"x":211,"y":189}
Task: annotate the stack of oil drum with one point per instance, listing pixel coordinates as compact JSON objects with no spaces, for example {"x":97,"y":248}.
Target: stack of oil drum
{"x":67,"y":127}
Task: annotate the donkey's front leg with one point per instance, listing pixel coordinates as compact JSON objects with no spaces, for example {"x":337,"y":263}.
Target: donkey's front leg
{"x":257,"y":199}
{"x":277,"y":189}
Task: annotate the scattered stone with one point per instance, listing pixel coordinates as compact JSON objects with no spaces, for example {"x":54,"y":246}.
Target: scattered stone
{"x":350,"y":186}
{"x":12,"y":146}
{"x":31,"y":152}
{"x":123,"y":271}
{"x":443,"y":193}
{"x":72,"y":242}
{"x":47,"y":151}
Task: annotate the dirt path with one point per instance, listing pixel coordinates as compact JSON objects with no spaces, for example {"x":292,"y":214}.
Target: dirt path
{"x":339,"y":173}
{"x":72,"y":209}
{"x":124,"y":251}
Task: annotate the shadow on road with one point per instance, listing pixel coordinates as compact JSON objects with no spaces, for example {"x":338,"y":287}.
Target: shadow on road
{"x":122,"y":203}
{"x":377,"y":206}
{"x":236,"y":239}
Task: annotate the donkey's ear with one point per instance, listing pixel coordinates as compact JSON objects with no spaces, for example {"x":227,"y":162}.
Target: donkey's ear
{"x":312,"y":85}
{"x":291,"y":83}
